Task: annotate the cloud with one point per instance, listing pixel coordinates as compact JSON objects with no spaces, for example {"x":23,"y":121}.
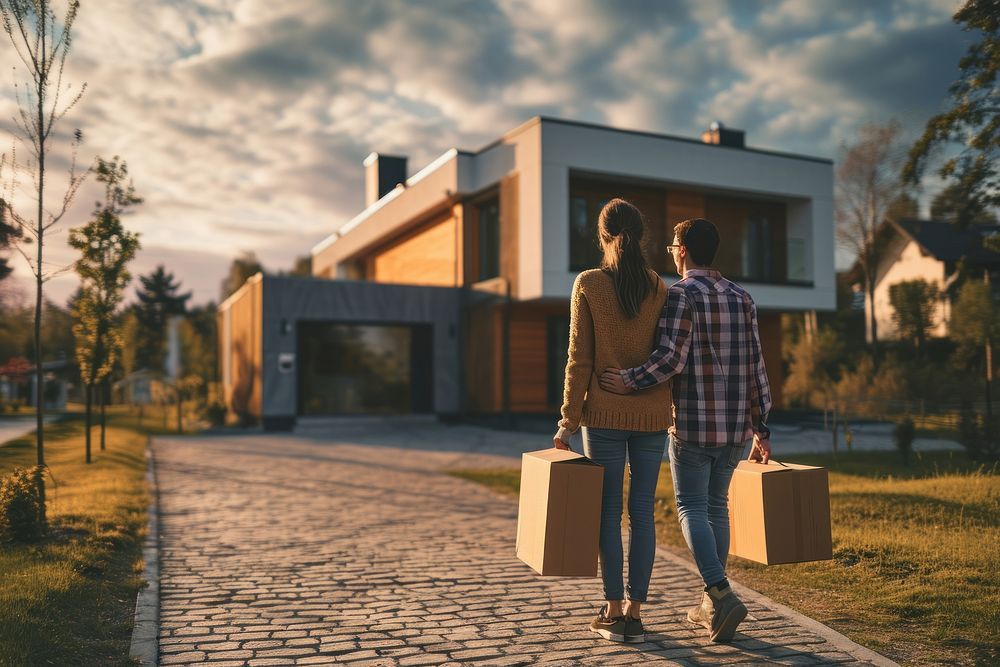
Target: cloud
{"x":244,"y":122}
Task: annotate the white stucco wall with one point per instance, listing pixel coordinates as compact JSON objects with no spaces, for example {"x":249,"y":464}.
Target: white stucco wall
{"x":904,"y":260}
{"x":805,"y":185}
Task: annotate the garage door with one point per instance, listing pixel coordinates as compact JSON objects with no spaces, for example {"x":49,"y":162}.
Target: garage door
{"x":350,"y":368}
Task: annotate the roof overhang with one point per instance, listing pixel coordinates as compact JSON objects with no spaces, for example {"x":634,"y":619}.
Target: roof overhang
{"x":435,"y":186}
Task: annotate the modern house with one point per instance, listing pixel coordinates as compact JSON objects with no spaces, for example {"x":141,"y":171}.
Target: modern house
{"x":449,"y":293}
{"x":927,"y":250}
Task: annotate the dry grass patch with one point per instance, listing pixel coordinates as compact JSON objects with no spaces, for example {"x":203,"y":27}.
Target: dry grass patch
{"x":69,"y":598}
{"x":915,"y":555}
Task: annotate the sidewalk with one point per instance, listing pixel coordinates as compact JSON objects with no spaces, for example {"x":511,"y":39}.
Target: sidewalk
{"x":281,"y":549}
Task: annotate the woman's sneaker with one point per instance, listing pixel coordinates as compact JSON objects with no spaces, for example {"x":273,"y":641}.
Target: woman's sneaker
{"x":612,"y":628}
{"x":634,"y":632}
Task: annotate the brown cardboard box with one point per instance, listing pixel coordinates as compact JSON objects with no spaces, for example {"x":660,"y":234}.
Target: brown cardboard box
{"x":779,"y":513}
{"x":559,"y":514}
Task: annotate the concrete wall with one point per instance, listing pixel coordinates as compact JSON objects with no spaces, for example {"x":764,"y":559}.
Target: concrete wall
{"x":289,"y":300}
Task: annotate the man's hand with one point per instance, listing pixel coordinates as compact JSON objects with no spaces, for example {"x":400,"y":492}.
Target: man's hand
{"x":761,"y":450}
{"x":611,"y":380}
{"x":559,"y":444}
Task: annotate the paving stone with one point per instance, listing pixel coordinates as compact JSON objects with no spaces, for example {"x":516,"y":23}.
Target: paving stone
{"x":280,"y":550}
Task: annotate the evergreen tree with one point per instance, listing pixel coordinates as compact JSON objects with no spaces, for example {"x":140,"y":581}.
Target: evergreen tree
{"x":158,"y":301}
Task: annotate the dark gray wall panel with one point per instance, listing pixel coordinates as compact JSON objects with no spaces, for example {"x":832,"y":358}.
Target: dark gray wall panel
{"x":293,"y":299}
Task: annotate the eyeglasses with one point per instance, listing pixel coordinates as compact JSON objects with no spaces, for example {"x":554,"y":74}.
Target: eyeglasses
{"x":673,"y":246}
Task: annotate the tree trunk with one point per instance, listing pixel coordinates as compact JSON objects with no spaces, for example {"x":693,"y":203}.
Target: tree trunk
{"x":872,"y":322}
{"x":104,"y":389}
{"x":86,"y":419}
{"x":989,"y":380}
{"x":39,"y":376}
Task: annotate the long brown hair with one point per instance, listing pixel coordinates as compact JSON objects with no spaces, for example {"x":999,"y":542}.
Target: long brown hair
{"x":620,"y":226}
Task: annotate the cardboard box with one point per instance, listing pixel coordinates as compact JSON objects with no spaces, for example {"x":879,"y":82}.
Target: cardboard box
{"x":559,"y":514}
{"x":779,"y":513}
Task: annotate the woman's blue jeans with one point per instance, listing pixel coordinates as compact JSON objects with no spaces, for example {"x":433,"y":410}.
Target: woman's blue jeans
{"x":609,"y":447}
{"x":701,"y":487}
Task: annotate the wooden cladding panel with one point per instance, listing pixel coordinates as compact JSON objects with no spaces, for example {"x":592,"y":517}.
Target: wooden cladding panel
{"x":683,"y":205}
{"x":528,"y":362}
{"x":427,"y":256}
{"x":769,"y":327}
{"x":245,"y":352}
{"x":509,"y":200}
{"x":483,"y":359}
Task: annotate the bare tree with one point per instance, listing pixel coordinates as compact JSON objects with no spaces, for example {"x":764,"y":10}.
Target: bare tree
{"x":42,"y":43}
{"x":868,"y":184}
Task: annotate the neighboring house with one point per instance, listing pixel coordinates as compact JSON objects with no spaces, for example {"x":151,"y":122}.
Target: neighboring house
{"x":929,"y":250}
{"x":449,"y":293}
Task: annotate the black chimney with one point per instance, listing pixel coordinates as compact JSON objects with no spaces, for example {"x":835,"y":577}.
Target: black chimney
{"x":382,"y":174}
{"x":720,"y":135}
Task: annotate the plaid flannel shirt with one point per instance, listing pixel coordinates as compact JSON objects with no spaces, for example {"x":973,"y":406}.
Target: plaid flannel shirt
{"x":708,"y":342}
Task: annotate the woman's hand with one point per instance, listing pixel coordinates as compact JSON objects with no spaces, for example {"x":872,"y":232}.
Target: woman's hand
{"x":559,"y":444}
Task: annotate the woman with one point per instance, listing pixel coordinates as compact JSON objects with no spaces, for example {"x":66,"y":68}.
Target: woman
{"x":614,"y":313}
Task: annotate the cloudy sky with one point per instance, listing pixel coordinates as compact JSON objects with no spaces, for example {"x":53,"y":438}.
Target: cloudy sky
{"x":245,"y":122}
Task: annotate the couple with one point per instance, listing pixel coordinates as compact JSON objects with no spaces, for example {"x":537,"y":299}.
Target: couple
{"x":702,"y":331}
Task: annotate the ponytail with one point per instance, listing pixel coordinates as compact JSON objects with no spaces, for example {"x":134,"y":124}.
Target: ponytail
{"x":621,"y":226}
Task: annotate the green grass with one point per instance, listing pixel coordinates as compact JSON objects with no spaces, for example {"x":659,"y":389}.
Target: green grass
{"x":916,"y":555}
{"x":69,"y":598}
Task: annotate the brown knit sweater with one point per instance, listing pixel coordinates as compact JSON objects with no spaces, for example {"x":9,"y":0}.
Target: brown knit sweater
{"x":601,"y":336}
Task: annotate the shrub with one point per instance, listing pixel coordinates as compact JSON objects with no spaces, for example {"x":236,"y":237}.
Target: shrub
{"x":20,"y":505}
{"x":904,"y":438}
{"x":980,"y":439}
{"x":215,"y":412}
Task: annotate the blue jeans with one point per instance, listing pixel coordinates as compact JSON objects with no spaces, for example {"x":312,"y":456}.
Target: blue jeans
{"x":701,"y":487}
{"x":608,"y":447}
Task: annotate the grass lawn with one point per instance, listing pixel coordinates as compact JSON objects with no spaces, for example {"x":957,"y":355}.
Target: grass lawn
{"x":916,"y":555}
{"x":69,"y":599}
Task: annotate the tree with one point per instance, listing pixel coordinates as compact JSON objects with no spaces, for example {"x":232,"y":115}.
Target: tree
{"x":106,"y":249}
{"x":867,"y":186}
{"x":42,"y":45}
{"x":948,"y":204}
{"x":158,"y":300}
{"x":302,"y":266}
{"x":914,"y":303}
{"x":904,"y":206}
{"x":8,"y":233}
{"x":975,"y":322}
{"x":972,"y":122}
{"x":240,"y":269}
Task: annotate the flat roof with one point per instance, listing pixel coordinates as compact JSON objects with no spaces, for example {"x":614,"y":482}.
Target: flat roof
{"x":644,"y":133}
{"x":531,"y":122}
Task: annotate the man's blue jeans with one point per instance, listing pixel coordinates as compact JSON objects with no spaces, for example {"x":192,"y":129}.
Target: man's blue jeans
{"x":701,"y":488}
{"x":608,"y":447}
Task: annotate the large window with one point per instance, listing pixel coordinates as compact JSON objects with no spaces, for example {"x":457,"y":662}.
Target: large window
{"x":757,"y":264}
{"x":364,"y":369}
{"x":489,"y":240}
{"x":584,"y":246}
{"x":754,"y":246}
{"x":588,"y":197}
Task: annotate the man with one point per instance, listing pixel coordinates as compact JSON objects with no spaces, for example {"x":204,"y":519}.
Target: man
{"x":709,"y":344}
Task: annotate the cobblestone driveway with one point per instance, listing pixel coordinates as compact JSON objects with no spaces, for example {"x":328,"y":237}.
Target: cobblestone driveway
{"x":279,"y":550}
